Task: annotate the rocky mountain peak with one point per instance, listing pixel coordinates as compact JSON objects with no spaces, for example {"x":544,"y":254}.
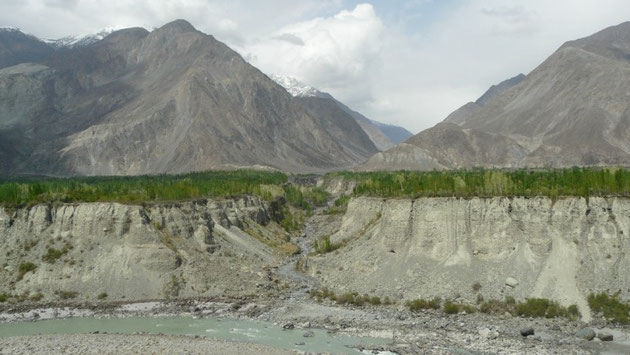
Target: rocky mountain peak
{"x":177,"y":26}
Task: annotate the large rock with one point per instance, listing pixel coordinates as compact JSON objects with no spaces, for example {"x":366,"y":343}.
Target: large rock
{"x":585,"y":333}
{"x":604,"y":336}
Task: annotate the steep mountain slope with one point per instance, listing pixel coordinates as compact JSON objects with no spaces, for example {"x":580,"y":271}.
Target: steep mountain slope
{"x":384,"y":136}
{"x":571,"y":110}
{"x":17,"y":47}
{"x":168,"y":101}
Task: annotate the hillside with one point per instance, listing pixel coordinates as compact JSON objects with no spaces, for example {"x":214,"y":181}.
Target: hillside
{"x":384,"y":136}
{"x":168,"y":101}
{"x":571,"y":110}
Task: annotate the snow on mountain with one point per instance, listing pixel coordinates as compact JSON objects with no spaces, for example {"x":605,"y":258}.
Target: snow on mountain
{"x":295,"y":87}
{"x":78,"y":40}
{"x":9,"y":29}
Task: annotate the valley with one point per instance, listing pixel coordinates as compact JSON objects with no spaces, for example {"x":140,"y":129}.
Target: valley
{"x":236,"y":257}
{"x":160,"y":193}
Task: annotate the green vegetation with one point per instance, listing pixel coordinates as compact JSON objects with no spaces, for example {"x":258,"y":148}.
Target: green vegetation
{"x":610,"y":307}
{"x":489,"y":183}
{"x":420,"y":304}
{"x":541,"y":307}
{"x":4,"y":297}
{"x":269,"y":185}
{"x":305,"y":198}
{"x":450,"y":308}
{"x":102,"y":296}
{"x":52,"y":254}
{"x":25,"y":267}
{"x":340,"y":205}
{"x":134,"y":189}
{"x":324,"y":245}
{"x":350,"y":298}
{"x":534,"y":307}
{"x":66,"y":295}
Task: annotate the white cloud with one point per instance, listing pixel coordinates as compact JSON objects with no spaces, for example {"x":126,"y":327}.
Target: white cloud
{"x":400,"y":66}
{"x":337,"y":53}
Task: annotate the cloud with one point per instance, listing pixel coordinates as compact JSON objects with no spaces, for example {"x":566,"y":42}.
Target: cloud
{"x":65,"y":4}
{"x":336,"y":53}
{"x":290,"y":38}
{"x":407,"y":62}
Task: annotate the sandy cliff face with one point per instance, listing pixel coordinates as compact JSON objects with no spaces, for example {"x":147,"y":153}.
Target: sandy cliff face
{"x":133,"y":252}
{"x":442,"y":246}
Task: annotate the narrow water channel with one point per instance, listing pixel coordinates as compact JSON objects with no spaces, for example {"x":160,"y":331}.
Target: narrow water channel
{"x":228,"y":329}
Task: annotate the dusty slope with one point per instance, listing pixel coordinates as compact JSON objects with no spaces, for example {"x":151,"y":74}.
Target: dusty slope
{"x":172,"y":100}
{"x":571,"y":110}
{"x":441,"y":246}
{"x":200,"y":248}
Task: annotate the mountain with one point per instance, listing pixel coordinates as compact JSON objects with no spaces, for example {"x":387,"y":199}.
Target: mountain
{"x":384,"y":136}
{"x":17,"y":47}
{"x":572,"y":110}
{"x":168,"y":101}
{"x":78,"y":40}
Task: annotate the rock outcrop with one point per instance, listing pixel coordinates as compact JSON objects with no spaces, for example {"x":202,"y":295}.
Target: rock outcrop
{"x":561,"y":250}
{"x":133,"y":252}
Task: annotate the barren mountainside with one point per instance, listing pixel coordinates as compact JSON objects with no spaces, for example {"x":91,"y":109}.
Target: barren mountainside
{"x":168,"y":101}
{"x":384,"y":136}
{"x":571,"y":110}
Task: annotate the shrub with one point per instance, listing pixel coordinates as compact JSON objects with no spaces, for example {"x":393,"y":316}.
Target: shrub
{"x":450,"y":308}
{"x":24,"y":268}
{"x":325,"y":245}
{"x":4,"y":297}
{"x":476,"y":286}
{"x":102,"y":296}
{"x":542,"y":307}
{"x":52,"y":254}
{"x":375,"y":300}
{"x":65,"y":295}
{"x":610,"y":306}
{"x":420,"y":304}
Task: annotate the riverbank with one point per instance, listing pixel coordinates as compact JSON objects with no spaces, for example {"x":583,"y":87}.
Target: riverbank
{"x":129,"y":344}
{"x":402,"y":331}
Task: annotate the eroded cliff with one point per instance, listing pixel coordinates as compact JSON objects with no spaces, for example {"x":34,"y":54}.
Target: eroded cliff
{"x":131,"y":252}
{"x":404,"y":248}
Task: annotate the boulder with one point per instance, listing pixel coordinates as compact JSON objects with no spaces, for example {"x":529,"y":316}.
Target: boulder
{"x":511,"y":282}
{"x":604,"y":336}
{"x":527,"y":331}
{"x":288,"y":326}
{"x":309,"y":334}
{"x":585,"y":333}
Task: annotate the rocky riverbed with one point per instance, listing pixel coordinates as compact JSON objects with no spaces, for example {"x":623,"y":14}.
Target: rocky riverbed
{"x":280,"y":295}
{"x":128,"y":344}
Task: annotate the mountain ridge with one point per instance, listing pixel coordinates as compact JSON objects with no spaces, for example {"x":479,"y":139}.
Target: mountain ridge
{"x":167,"y":101}
{"x":571,"y":110}
{"x":383,"y":135}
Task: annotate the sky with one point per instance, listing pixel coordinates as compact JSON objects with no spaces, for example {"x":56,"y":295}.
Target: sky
{"x":406,"y":62}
